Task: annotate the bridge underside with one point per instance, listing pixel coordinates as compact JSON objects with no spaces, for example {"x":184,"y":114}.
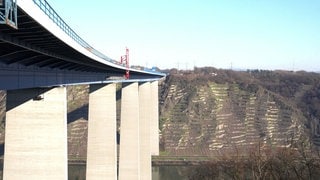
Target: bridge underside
{"x":31,"y":56}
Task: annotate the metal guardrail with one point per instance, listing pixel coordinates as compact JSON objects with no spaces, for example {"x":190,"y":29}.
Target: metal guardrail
{"x":49,"y":11}
{"x":8,"y":13}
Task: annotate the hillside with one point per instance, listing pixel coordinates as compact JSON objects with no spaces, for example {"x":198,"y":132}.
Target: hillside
{"x":208,"y":111}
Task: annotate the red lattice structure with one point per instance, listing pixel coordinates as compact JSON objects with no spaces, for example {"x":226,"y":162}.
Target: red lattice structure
{"x":124,"y":60}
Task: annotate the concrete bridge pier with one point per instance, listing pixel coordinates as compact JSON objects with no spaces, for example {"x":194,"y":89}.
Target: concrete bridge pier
{"x":144,"y":134}
{"x":129,"y":157}
{"x":101,"y":148}
{"x":154,"y":118}
{"x":138,"y":106}
{"x":36,"y":134}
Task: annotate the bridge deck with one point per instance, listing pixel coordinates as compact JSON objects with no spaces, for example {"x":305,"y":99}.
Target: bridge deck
{"x":32,"y":50}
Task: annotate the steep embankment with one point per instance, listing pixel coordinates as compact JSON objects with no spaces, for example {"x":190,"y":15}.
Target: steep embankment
{"x":209,"y":111}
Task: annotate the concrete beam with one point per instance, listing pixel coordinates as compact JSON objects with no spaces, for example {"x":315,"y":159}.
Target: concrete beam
{"x":36,"y":134}
{"x":154,"y":121}
{"x":102,"y":146}
{"x":20,"y":77}
{"x":129,"y":160}
{"x":145,"y":147}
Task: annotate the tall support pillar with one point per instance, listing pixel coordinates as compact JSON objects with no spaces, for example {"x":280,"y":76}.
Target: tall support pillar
{"x":102,"y":147}
{"x":129,"y":160}
{"x":154,"y":126}
{"x":145,"y":147}
{"x":36,"y":134}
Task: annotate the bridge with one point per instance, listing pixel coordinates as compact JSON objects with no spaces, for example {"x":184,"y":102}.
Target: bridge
{"x":40,"y":55}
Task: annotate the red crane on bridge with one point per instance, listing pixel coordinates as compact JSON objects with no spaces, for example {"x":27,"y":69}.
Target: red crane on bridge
{"x":124,"y":60}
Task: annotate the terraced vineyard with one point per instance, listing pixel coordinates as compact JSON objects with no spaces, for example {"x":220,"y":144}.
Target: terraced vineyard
{"x":203,"y":118}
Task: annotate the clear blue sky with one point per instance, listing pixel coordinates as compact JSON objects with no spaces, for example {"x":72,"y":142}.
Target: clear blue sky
{"x":259,"y":34}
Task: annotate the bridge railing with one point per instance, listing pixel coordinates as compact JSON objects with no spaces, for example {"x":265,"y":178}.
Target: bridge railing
{"x":49,"y":11}
{"x":8,"y":13}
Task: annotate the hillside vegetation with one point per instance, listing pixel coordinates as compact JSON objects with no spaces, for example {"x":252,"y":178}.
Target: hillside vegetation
{"x":209,"y":111}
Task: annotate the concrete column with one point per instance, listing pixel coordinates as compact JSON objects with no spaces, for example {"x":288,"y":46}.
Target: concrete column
{"x":129,"y":161}
{"x":101,"y":148}
{"x":36,"y":134}
{"x":154,"y":126}
{"x":145,"y":147}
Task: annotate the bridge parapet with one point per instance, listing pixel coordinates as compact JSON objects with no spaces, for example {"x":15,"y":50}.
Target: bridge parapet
{"x":8,"y":13}
{"x":50,"y":12}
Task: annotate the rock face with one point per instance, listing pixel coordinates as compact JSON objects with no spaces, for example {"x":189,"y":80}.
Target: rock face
{"x":205,"y":114}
